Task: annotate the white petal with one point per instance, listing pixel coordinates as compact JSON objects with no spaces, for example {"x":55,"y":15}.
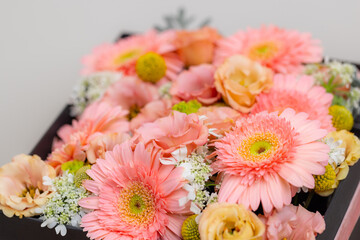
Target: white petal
{"x":183,"y":201}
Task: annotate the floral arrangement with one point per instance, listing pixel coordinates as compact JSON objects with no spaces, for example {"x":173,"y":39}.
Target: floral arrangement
{"x":192,"y":135}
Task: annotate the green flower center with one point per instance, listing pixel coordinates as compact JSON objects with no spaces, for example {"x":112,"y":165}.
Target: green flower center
{"x":260,"y":147}
{"x":136,"y":204}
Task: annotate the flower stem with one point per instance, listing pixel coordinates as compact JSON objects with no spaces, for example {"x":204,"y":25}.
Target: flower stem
{"x":308,"y":199}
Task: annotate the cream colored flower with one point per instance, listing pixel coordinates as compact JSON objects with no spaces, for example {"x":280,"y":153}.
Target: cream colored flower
{"x":240,"y":80}
{"x":326,"y":184}
{"x":226,"y":221}
{"x":350,"y":142}
{"x":21,"y":185}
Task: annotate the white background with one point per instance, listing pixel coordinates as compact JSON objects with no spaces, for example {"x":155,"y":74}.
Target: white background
{"x":42,"y":42}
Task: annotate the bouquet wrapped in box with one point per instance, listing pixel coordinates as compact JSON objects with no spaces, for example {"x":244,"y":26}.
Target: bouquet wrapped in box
{"x":193,"y":135}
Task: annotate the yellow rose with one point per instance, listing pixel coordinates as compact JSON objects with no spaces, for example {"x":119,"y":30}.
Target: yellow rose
{"x":228,"y":221}
{"x":240,"y":80}
{"x":350,"y":142}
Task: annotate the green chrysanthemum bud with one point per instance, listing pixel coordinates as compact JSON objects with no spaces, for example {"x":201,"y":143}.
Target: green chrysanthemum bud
{"x":326,"y":181}
{"x":72,"y":166}
{"x":151,"y":67}
{"x":189,"y":229}
{"x":81,"y":175}
{"x":341,"y":117}
{"x":189,"y":107}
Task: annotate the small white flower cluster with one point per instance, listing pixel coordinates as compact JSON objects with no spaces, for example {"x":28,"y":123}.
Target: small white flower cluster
{"x":197,"y":171}
{"x":62,"y":208}
{"x":344,"y":71}
{"x":91,"y":88}
{"x":337,"y":153}
{"x":353,"y":101}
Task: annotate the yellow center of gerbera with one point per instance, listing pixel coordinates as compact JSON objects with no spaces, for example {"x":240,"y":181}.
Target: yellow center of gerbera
{"x":259,"y":146}
{"x":326,"y":181}
{"x":127,"y":56}
{"x":137,"y":204}
{"x":190,"y":229}
{"x":341,"y":117}
{"x":263,"y":51}
{"x":151,"y":67}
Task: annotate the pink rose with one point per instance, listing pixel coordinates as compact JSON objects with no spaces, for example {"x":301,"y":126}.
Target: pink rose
{"x":174,"y":131}
{"x":196,"y":83}
{"x":151,"y":112}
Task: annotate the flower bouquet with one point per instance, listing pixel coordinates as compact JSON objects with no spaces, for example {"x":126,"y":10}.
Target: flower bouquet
{"x":192,"y":135}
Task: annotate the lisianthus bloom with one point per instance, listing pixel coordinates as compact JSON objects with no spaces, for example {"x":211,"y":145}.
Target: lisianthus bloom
{"x":281,"y":50}
{"x":21,"y":185}
{"x":268,"y":156}
{"x":240,"y":79}
{"x":100,"y":144}
{"x":174,"y":131}
{"x":218,"y":118}
{"x":230,"y":221}
{"x":131,"y":94}
{"x":196,"y":47}
{"x":196,"y":83}
{"x":98,"y":118}
{"x":123,"y":55}
{"x":300,"y":94}
{"x":135,"y":197}
{"x":150,"y":112}
{"x":294,"y":223}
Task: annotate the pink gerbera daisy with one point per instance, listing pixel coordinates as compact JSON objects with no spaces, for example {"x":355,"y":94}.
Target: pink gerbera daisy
{"x":122,"y":56}
{"x":267,"y":157}
{"x":300,"y":94}
{"x":281,"y":50}
{"x":135,"y":197}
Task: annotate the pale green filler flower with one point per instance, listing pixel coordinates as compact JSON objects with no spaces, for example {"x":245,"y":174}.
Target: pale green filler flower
{"x":62,"y":208}
{"x":90,"y":89}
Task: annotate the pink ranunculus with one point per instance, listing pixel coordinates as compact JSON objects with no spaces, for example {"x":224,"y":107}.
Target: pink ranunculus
{"x":131,"y":94}
{"x":196,"y":83}
{"x":150,"y":112}
{"x":294,"y":223}
{"x":100,"y":144}
{"x":174,"y":131}
{"x":220,"y":119}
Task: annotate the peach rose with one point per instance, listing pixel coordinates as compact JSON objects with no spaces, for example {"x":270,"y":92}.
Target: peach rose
{"x":240,"y":80}
{"x":197,"y":47}
{"x":100,"y":144}
{"x":21,"y":185}
{"x":230,"y":221}
{"x":220,"y":119}
{"x":196,"y":83}
{"x":174,"y":131}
